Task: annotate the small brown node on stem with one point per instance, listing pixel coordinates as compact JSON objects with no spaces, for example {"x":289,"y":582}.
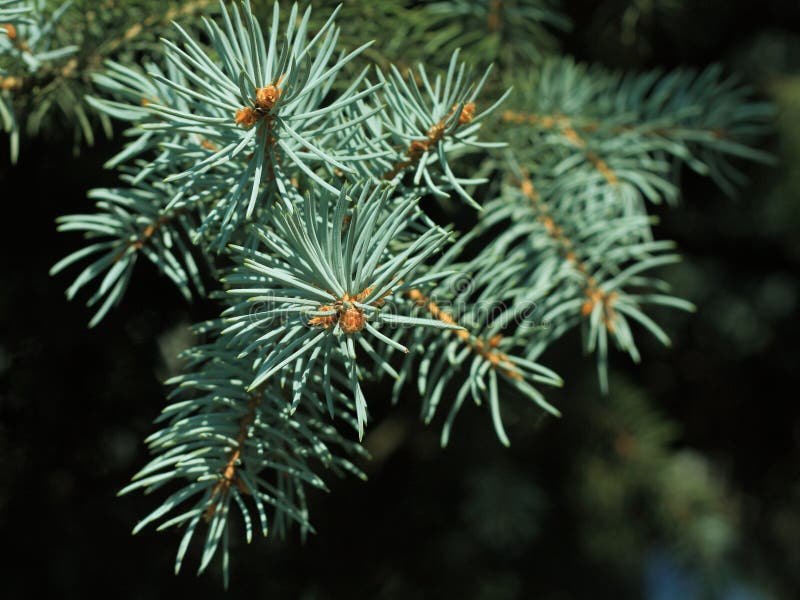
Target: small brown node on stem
{"x":597,"y":296}
{"x":417,"y":148}
{"x":528,"y":190}
{"x":436,"y":132}
{"x":498,"y":360}
{"x":325,"y":321}
{"x":10,"y":30}
{"x":573,"y":137}
{"x":467,"y":114}
{"x":265,"y":100}
{"x":8,"y":84}
{"x":267,"y":96}
{"x":603,"y":168}
{"x":228,"y":475}
{"x":349,"y":317}
{"x":352,"y":320}
{"x":493,"y":18}
{"x":246,"y":117}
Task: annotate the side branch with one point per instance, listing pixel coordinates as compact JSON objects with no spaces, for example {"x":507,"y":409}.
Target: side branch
{"x":499,"y":360}
{"x":570,"y":130}
{"x":594,"y":293}
{"x":95,"y":58}
{"x":228,"y":474}
{"x":559,"y":121}
{"x":148,"y":232}
{"x":417,"y":149}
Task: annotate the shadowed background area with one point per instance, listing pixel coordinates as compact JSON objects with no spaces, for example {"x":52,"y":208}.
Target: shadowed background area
{"x":682,"y":482}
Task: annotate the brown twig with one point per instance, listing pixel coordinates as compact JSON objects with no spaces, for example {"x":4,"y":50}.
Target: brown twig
{"x":570,"y":131}
{"x":228,"y":474}
{"x":148,"y":232}
{"x":417,"y":148}
{"x":493,"y":20}
{"x":486,"y":349}
{"x":594,"y":293}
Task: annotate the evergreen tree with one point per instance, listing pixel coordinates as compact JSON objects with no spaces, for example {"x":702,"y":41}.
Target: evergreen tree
{"x":347,"y":208}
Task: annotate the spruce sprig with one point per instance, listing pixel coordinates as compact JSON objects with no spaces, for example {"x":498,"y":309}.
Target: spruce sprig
{"x":275,"y":171}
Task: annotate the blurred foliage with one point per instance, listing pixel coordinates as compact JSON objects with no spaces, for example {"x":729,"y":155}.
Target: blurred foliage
{"x":631,"y":467}
{"x":49,"y":99}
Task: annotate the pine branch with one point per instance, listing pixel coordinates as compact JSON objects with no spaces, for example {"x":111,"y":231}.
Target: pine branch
{"x":445,"y":112}
{"x":321,"y":283}
{"x":507,"y":32}
{"x":485,"y":349}
{"x":588,"y":269}
{"x":220,"y":443}
{"x":129,"y":222}
{"x":271,"y":157}
{"x":698,"y":118}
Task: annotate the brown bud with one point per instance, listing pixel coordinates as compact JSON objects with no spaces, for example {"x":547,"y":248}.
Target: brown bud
{"x":467,"y":114}
{"x":10,"y":30}
{"x":352,"y":320}
{"x":246,"y":117}
{"x":267,"y":96}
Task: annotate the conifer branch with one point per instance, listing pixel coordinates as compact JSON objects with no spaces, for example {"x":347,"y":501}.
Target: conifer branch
{"x":595,"y":295}
{"x":228,"y":475}
{"x":485,"y":349}
{"x":259,"y":148}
